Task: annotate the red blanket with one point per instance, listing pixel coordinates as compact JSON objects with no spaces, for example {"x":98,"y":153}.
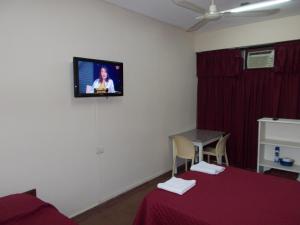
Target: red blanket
{"x":23,"y":209}
{"x":234,"y":197}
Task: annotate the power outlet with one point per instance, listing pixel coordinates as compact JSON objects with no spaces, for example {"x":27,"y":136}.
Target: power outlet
{"x":99,"y":150}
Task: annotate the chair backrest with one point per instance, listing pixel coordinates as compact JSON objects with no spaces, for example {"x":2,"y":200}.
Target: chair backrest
{"x":184,"y":147}
{"x":221,"y":145}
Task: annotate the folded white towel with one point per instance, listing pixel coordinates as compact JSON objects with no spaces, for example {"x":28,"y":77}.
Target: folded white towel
{"x":207,"y":170}
{"x":216,"y":167}
{"x":205,"y":167}
{"x":177,"y":185}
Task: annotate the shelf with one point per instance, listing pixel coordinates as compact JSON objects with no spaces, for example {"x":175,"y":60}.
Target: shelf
{"x":280,"y":143}
{"x":280,"y":120}
{"x":283,"y":133}
{"x":271,"y":164}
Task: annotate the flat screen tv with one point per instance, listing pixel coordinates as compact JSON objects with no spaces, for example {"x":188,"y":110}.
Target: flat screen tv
{"x":97,"y":78}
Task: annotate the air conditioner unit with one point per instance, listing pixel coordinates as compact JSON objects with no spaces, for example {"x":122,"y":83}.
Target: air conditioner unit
{"x":260,"y":59}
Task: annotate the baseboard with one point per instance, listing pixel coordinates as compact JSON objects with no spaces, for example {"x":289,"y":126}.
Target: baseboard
{"x":83,"y":211}
{"x":123,"y":191}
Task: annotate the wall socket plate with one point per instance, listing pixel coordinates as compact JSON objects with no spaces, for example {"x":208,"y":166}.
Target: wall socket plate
{"x":99,"y":150}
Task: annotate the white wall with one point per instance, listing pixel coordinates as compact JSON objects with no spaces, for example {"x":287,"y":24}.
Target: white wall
{"x":49,"y":139}
{"x":269,"y":31}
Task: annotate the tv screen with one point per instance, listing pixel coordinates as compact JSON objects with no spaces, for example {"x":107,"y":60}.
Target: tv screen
{"x":97,"y":78}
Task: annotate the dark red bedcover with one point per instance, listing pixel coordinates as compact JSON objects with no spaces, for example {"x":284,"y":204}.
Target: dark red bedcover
{"x":234,"y":197}
{"x":23,"y":209}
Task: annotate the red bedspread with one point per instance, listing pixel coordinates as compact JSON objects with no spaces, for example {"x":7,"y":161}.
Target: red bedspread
{"x":234,"y":197}
{"x":23,"y":209}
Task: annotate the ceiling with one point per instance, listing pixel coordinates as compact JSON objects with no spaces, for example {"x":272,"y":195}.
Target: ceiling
{"x":166,"y":11}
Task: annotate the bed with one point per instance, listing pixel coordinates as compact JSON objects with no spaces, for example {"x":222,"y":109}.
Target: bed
{"x":26,"y":209}
{"x":234,"y":197}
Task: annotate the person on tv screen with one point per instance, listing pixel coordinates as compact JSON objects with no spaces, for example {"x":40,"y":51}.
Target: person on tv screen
{"x":103,"y":84}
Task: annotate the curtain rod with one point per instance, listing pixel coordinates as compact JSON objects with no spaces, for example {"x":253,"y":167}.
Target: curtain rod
{"x":252,"y":46}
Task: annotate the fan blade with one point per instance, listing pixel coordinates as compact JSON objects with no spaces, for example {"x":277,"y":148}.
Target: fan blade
{"x":253,"y":13}
{"x":189,"y":5}
{"x":198,"y":25}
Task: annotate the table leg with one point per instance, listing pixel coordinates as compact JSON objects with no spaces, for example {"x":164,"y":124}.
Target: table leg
{"x":200,"y":151}
{"x":174,"y":157}
{"x":174,"y":165}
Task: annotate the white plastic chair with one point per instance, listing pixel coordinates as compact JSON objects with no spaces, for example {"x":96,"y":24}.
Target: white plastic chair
{"x":183,"y":148}
{"x":219,"y":151}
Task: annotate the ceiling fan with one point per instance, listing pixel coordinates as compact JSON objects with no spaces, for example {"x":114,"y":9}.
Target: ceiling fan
{"x":212,"y":14}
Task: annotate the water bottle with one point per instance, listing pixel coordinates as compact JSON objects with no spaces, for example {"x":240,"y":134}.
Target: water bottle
{"x":277,"y":153}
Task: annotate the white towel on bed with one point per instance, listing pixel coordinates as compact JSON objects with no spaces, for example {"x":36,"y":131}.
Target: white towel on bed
{"x":177,"y":185}
{"x":205,"y":167}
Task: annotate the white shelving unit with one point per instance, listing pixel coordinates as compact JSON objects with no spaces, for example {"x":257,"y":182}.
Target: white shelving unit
{"x":284,"y":133}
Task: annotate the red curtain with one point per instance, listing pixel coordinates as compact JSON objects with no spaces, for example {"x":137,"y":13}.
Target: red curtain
{"x":288,"y":67}
{"x":219,"y":63}
{"x":232,"y":99}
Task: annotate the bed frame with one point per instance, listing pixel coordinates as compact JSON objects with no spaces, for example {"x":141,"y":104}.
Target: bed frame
{"x":31,"y":192}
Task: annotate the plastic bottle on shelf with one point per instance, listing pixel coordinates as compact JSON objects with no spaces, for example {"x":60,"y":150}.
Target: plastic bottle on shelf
{"x":277,"y":154}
